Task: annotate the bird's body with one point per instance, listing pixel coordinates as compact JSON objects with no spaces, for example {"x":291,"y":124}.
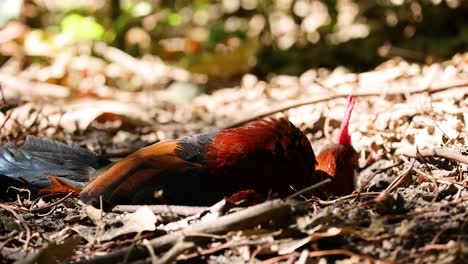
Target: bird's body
{"x":268,"y":156}
{"x":265,"y":155}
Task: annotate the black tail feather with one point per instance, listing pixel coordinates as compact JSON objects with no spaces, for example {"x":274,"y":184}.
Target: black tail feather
{"x":41,"y":157}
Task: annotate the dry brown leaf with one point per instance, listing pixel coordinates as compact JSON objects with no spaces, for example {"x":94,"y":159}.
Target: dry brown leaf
{"x":141,"y":220}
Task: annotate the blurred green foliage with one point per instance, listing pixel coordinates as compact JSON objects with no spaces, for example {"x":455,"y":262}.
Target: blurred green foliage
{"x":80,"y":28}
{"x":226,"y":38}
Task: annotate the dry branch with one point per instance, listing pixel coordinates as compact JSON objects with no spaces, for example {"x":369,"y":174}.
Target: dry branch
{"x":20,"y":219}
{"x":322,"y":253}
{"x":300,"y":103}
{"x":310,"y":188}
{"x":163,"y":209}
{"x":24,"y":86}
{"x":274,"y":210}
{"x":437,"y":152}
{"x":400,"y":179}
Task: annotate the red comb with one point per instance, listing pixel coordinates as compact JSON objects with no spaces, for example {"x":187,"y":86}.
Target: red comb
{"x":343,"y":136}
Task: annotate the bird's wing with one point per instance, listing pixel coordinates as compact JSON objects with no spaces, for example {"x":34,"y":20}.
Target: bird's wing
{"x":172,"y":167}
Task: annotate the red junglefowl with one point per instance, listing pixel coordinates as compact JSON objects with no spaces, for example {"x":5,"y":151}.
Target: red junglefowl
{"x":263,"y":156}
{"x":339,"y":160}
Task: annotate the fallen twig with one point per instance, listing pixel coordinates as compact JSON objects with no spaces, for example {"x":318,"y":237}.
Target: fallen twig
{"x":216,"y":210}
{"x":20,"y":190}
{"x":363,"y":186}
{"x":438,"y":152}
{"x":433,"y":180}
{"x":277,"y":210}
{"x":210,"y":250}
{"x":399,"y":180}
{"x":7,"y":117}
{"x":8,"y":240}
{"x":51,"y":204}
{"x":310,"y":188}
{"x":300,"y":103}
{"x":4,"y":102}
{"x":321,"y":253}
{"x":22,"y":222}
{"x":343,"y":198}
{"x":32,"y":88}
{"x":383,"y":194}
{"x":433,"y":241}
{"x":179,"y":210}
{"x":34,"y":210}
{"x":178,"y":249}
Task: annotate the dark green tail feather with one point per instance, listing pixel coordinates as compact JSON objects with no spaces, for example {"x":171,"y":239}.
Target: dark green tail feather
{"x":42,"y":157}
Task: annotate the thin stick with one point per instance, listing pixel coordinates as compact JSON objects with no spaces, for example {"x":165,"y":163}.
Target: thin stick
{"x":3,"y":95}
{"x":433,"y":241}
{"x":33,"y":88}
{"x":343,"y":198}
{"x":310,"y":188}
{"x":178,"y":249}
{"x":338,"y":96}
{"x":363,"y":186}
{"x":210,"y":250}
{"x":395,"y":183}
{"x":7,"y":117}
{"x":438,"y":152}
{"x":321,"y":253}
{"x":398,"y":180}
{"x":52,"y":204}
{"x":21,"y":220}
{"x":179,"y":210}
{"x":433,"y":180}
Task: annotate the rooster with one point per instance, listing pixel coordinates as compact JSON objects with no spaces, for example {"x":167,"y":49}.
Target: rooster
{"x":266,"y":156}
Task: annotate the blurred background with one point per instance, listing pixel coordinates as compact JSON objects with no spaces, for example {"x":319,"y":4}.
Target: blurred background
{"x":146,"y":70}
{"x":225,"y":39}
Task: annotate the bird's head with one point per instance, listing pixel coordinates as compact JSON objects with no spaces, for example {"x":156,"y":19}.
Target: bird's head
{"x":339,"y":160}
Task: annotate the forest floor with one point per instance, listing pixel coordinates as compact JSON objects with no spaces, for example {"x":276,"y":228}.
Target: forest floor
{"x":409,"y":126}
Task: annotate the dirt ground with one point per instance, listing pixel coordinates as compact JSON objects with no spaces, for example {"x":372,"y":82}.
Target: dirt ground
{"x":409,"y":127}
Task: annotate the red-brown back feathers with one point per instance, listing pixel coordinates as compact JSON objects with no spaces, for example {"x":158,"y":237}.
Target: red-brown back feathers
{"x":265,"y":155}
{"x":339,"y":160}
